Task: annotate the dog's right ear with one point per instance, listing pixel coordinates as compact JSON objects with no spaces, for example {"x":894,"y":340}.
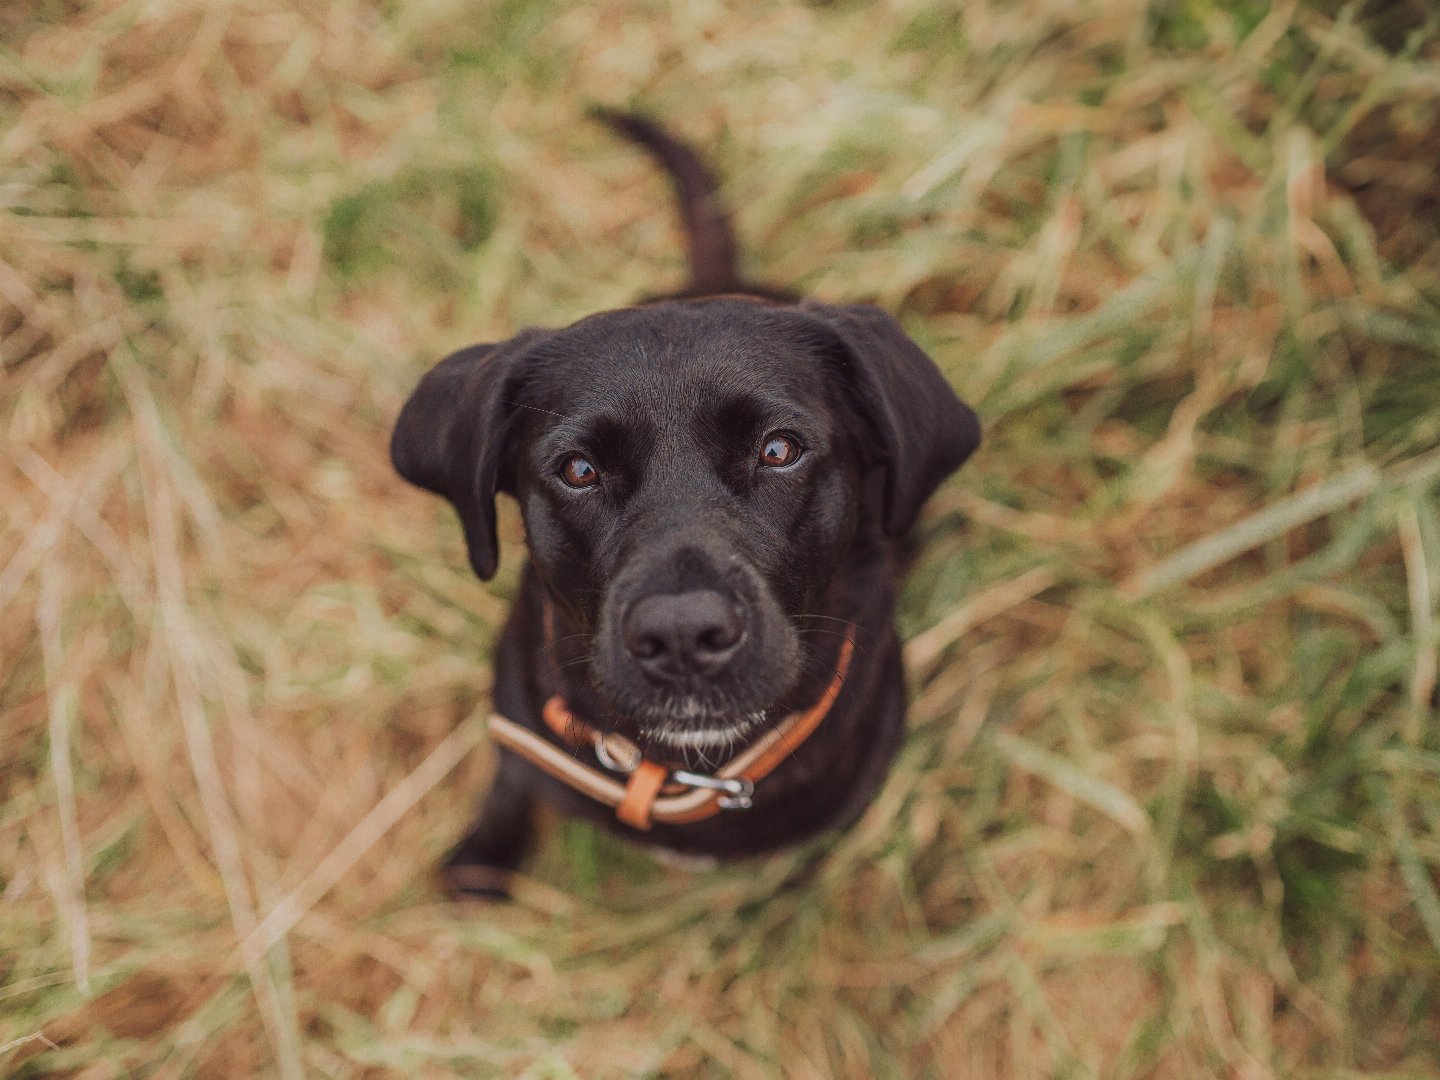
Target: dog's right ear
{"x":453,"y":437}
{"x":924,"y":430}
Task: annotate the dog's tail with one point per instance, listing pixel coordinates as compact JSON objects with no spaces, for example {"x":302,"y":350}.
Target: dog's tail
{"x":714,"y":256}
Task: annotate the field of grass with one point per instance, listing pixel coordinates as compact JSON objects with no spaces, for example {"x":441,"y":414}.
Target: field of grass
{"x":1170,"y":806}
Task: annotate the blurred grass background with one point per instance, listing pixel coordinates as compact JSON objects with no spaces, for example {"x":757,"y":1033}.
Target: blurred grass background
{"x":1171,"y":802}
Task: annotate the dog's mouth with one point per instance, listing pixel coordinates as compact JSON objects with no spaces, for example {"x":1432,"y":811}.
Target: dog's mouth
{"x":696,"y":718}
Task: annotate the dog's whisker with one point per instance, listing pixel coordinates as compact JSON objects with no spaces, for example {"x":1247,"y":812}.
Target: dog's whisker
{"x":573,"y":661}
{"x":827,"y":618}
{"x":811,"y":657}
{"x":553,"y":647}
{"x":861,"y":649}
{"x":536,"y":408}
{"x":569,"y":637}
{"x":556,"y":669}
{"x":854,"y":627}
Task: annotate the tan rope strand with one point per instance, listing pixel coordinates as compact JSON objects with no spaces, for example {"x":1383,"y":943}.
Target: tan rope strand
{"x":547,"y":756}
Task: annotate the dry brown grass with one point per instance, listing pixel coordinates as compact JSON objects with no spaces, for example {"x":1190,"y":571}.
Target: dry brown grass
{"x":1169,"y":804}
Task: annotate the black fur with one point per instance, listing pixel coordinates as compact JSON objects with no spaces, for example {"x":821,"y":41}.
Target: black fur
{"x":699,"y":590}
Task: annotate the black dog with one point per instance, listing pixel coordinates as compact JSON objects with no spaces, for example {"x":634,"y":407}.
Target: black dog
{"x":713,"y":488}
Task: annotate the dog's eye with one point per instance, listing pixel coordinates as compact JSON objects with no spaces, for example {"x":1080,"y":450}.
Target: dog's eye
{"x":578,"y":472}
{"x":779,"y":450}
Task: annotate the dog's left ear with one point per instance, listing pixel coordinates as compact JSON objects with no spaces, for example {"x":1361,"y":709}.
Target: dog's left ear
{"x":925,"y":430}
{"x":453,"y":436}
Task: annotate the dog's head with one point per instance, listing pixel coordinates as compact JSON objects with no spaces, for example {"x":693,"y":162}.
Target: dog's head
{"x":691,"y":475}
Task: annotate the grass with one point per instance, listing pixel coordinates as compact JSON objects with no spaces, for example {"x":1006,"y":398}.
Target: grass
{"x":1170,"y":806}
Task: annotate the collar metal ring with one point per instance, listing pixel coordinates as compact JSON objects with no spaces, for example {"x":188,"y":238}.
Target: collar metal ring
{"x":617,"y":753}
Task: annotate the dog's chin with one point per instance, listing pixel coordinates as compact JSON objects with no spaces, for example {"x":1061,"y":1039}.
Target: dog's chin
{"x":692,"y":725}
{"x":704,"y":738}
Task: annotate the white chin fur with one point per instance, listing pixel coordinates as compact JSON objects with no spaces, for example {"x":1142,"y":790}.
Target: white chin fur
{"x":692,"y":738}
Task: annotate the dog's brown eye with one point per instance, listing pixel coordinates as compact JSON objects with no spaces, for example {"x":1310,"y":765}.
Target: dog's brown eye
{"x":578,"y":472}
{"x":778,"y":450}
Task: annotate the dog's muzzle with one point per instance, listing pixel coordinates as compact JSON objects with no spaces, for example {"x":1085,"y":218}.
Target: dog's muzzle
{"x":651,"y":792}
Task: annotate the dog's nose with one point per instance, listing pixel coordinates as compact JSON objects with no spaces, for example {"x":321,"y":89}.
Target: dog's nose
{"x":674,"y":635}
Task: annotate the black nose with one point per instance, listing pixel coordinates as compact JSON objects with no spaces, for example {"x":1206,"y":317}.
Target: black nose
{"x":674,"y":635}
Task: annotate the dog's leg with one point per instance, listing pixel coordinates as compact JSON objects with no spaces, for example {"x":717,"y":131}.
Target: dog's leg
{"x":479,"y":867}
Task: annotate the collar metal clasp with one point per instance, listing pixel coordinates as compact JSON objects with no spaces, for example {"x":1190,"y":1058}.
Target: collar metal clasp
{"x":736,"y":793}
{"x":619,"y":754}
